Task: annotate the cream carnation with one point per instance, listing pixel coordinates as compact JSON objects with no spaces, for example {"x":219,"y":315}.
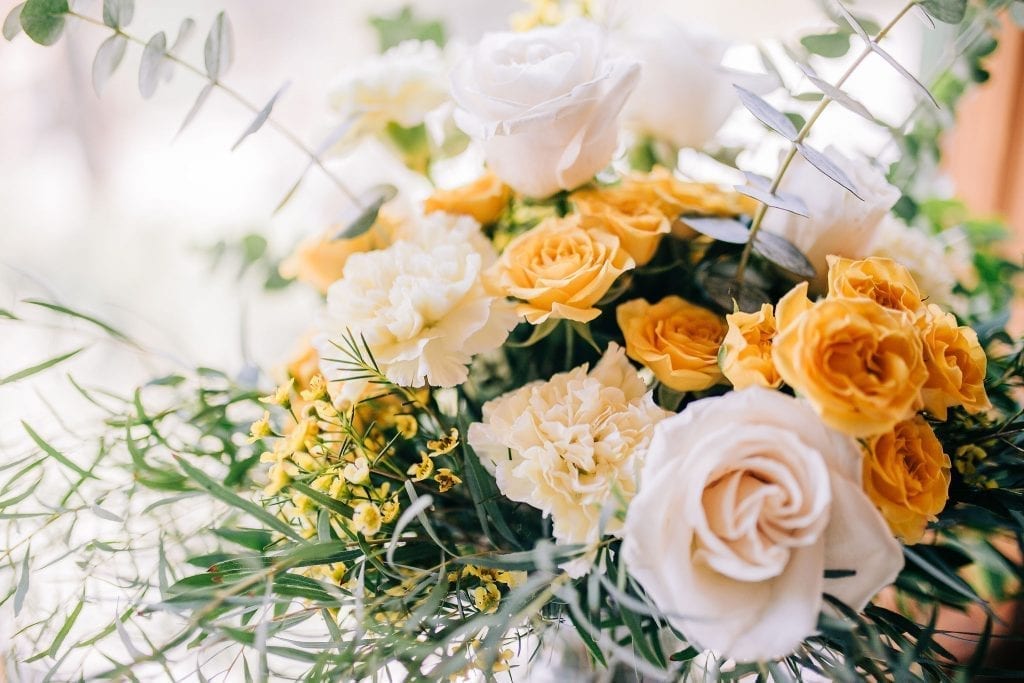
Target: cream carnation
{"x":746,"y":501}
{"x":564,"y":445}
{"x":420,"y":304}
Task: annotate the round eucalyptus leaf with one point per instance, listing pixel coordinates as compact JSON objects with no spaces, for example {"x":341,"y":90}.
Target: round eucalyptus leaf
{"x":782,"y":253}
{"x":43,"y":20}
{"x":722,"y":229}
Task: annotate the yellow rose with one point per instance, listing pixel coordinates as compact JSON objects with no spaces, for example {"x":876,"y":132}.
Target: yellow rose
{"x":484,"y":199}
{"x":629,"y":215}
{"x":879,"y":279}
{"x":559,"y":269}
{"x":747,"y":349}
{"x":859,"y":364}
{"x":956,"y":365}
{"x":677,"y":340}
{"x":906,"y":475}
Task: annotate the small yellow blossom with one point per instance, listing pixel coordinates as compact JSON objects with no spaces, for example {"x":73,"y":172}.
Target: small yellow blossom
{"x":282,"y":396}
{"x":358,"y":472}
{"x":260,"y":429}
{"x":279,"y":476}
{"x":367,"y":518}
{"x":338,"y":487}
{"x":501,"y":661}
{"x":406,"y":425}
{"x":302,"y":437}
{"x":423,"y":469}
{"x":444,"y":445}
{"x":446,"y":479}
{"x":389,"y":509}
{"x":486,"y":598}
{"x":317,"y":390}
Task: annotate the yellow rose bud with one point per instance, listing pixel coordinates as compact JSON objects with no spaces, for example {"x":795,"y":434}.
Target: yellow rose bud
{"x":484,"y":199}
{"x":879,"y":279}
{"x":746,"y":358}
{"x":319,"y":261}
{"x":906,"y":475}
{"x":631,"y":216}
{"x":561,"y":270}
{"x":677,"y":340}
{"x":859,"y":364}
{"x":956,"y":365}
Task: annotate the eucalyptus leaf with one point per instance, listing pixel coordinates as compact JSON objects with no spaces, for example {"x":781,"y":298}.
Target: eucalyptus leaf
{"x":779,"y":200}
{"x":12,"y":23}
{"x":821,"y":162}
{"x":218,"y":51}
{"x":108,"y":58}
{"x":118,"y":13}
{"x":43,"y":20}
{"x":836,"y":94}
{"x":722,"y":229}
{"x":766,"y":113}
{"x":724,"y":292}
{"x":372,"y":201}
{"x":151,"y":65}
{"x":261,"y":117}
{"x":196,"y":106}
{"x":783,"y":253}
{"x":854,"y":23}
{"x":830,"y":45}
{"x":902,"y":71}
{"x":185,"y":31}
{"x":948,"y":11}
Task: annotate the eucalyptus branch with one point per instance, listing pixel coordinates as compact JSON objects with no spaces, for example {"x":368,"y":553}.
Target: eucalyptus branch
{"x":755,"y":225}
{"x":283,"y":130}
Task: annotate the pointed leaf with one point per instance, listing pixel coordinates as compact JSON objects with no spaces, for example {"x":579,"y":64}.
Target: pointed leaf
{"x":23,"y":582}
{"x":783,"y":253}
{"x":43,"y":20}
{"x":113,"y":332}
{"x":853,"y":22}
{"x":196,"y":106}
{"x":219,"y":48}
{"x":118,"y":13}
{"x":372,"y":201}
{"x":185,"y":31}
{"x":821,"y":162}
{"x":12,"y":23}
{"x":906,"y":74}
{"x":261,"y":117}
{"x":758,"y":187}
{"x":948,"y":11}
{"x":108,"y":58}
{"x":836,"y":94}
{"x":722,"y":229}
{"x":55,"y":454}
{"x":105,"y":514}
{"x":39,"y":367}
{"x":723,"y":290}
{"x":766,"y":113}
{"x":151,"y":66}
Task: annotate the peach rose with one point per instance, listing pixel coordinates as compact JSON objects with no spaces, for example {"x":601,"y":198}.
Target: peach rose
{"x":906,"y":475}
{"x":956,"y":365}
{"x":560,"y":269}
{"x":879,"y":279}
{"x":858,"y":363}
{"x":629,"y":215}
{"x":677,"y":340}
{"x":484,"y":199}
{"x":746,"y":357}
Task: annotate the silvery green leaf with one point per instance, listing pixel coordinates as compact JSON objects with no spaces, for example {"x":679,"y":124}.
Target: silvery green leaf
{"x":330,"y":140}
{"x":151,"y":66}
{"x":118,"y":13}
{"x":766,"y":113}
{"x":722,"y":229}
{"x":828,"y":167}
{"x":783,"y":253}
{"x":371,"y":201}
{"x":43,"y":20}
{"x":219,"y":48}
{"x":830,"y":45}
{"x":853,"y":22}
{"x":185,"y":31}
{"x":261,"y":117}
{"x":12,"y":23}
{"x":196,"y":106}
{"x":948,"y":11}
{"x":23,"y":583}
{"x":903,"y":72}
{"x":927,"y":18}
{"x":727,"y":295}
{"x":108,"y":58}
{"x":106,"y":514}
{"x":779,"y":200}
{"x":836,"y":94}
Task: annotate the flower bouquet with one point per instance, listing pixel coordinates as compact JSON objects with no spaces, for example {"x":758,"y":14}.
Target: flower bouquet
{"x":581,"y":396}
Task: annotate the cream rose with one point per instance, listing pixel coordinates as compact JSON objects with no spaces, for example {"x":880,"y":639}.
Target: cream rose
{"x":420,"y":304}
{"x":544,"y":104}
{"x":563,"y":446}
{"x":746,"y":501}
{"x":838,"y":222}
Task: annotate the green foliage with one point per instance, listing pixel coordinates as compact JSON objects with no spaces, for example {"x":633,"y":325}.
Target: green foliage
{"x":43,"y":20}
{"x":404,"y":25}
{"x":949,"y":11}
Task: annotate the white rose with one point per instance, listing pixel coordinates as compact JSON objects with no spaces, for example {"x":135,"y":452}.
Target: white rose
{"x":933,"y":268}
{"x":838,"y":222}
{"x":402,"y":85}
{"x":684,"y":94}
{"x":745,"y":501}
{"x":420,"y":304}
{"x":544,"y":104}
{"x":564,"y":445}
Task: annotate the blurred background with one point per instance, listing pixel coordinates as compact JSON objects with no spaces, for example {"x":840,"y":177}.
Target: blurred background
{"x":105,"y":209}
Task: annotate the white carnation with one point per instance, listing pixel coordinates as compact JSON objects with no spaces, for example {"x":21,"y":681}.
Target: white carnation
{"x":402,"y":85}
{"x":925,"y":257}
{"x":420,"y":304}
{"x":564,"y":445}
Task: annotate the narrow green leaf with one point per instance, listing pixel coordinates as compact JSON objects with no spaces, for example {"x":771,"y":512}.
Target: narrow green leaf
{"x":54,"y":453}
{"x":112,"y":331}
{"x":39,"y":367}
{"x":65,"y":629}
{"x":12,"y":27}
{"x":43,"y":20}
{"x":261,"y":117}
{"x":23,"y":582}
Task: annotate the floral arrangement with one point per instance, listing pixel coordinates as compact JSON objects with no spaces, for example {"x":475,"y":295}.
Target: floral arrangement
{"x":760,"y":429}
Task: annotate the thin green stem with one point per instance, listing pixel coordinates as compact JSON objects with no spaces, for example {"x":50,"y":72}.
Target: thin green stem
{"x":802,"y":135}
{"x":284,"y":131}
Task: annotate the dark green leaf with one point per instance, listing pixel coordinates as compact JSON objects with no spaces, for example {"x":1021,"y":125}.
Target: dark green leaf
{"x":831,"y":45}
{"x":949,"y":11}
{"x":261,"y":118}
{"x":108,"y":58}
{"x":218,"y":51}
{"x":256,"y":539}
{"x":151,"y":65}
{"x":12,"y":23}
{"x":39,"y":367}
{"x":43,"y":20}
{"x":722,"y":289}
{"x":766,"y":113}
{"x":4,"y":313}
{"x":403,"y":25}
